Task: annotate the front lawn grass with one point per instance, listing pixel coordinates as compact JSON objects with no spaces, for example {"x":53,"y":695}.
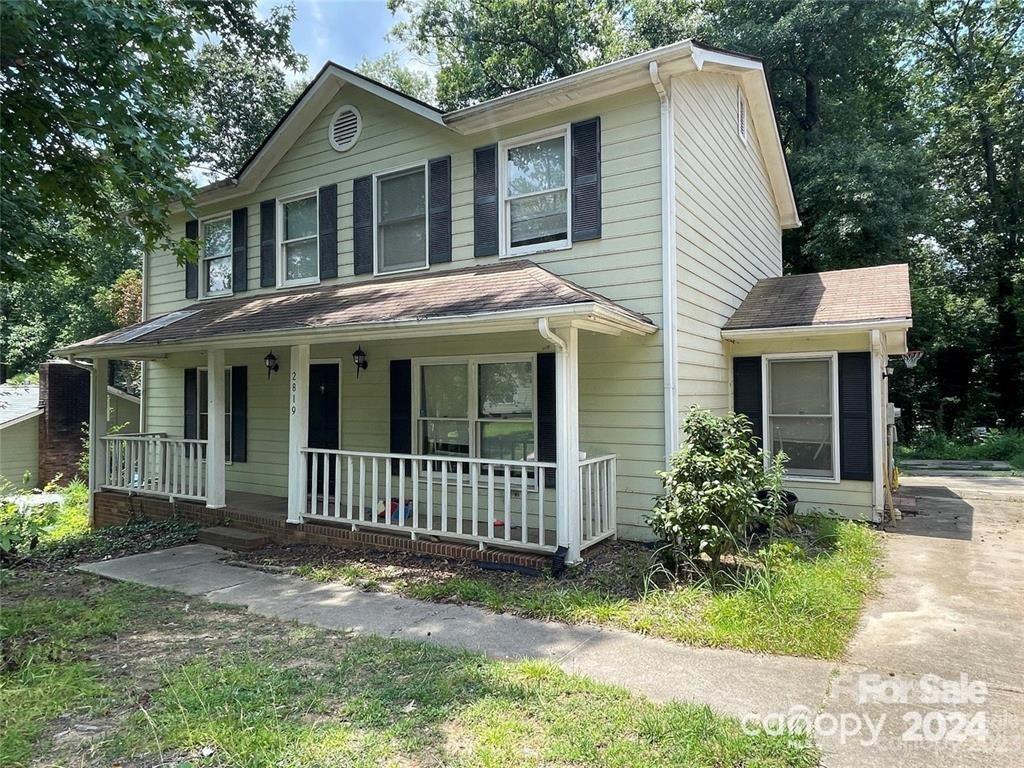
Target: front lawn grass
{"x":800,"y":598}
{"x":158,"y":680}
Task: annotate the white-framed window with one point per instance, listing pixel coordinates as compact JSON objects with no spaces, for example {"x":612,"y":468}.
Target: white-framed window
{"x":400,"y":220}
{"x":479,"y":407}
{"x":533,"y":183}
{"x":298,"y":239}
{"x":741,"y":114}
{"x":801,"y":396}
{"x":216,"y":257}
{"x":203,"y":408}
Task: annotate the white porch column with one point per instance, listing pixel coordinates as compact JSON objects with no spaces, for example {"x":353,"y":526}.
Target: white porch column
{"x":215,"y":442}
{"x":298,"y":430}
{"x":568,"y":438}
{"x":98,"y":380}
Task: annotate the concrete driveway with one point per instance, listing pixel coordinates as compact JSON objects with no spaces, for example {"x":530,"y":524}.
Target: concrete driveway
{"x":937,"y":666}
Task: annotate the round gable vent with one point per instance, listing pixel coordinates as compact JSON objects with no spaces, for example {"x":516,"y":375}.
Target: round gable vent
{"x":344,"y":128}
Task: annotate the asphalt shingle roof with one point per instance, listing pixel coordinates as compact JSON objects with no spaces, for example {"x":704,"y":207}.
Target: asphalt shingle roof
{"x":452,"y":293}
{"x":826,"y":298}
{"x":17,"y":400}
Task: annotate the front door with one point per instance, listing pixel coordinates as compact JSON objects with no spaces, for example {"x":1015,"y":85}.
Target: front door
{"x":324,"y":403}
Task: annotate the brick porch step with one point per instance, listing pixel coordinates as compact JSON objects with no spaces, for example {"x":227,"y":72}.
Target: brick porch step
{"x":231,"y":538}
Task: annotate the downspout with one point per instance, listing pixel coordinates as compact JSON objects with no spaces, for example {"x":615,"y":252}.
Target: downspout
{"x":669,"y":322}
{"x":880,"y":486}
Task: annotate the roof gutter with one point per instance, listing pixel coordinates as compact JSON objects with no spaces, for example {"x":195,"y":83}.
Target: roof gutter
{"x":740,"y":334}
{"x":669,"y":322}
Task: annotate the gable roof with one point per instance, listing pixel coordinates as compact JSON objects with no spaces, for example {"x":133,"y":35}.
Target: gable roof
{"x":473,"y":293}
{"x":827,"y":299}
{"x":604,"y":80}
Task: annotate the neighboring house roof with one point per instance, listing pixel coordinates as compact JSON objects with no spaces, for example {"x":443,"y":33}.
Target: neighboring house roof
{"x":18,"y":402}
{"x":614,"y":77}
{"x":506,"y":289}
{"x":841,"y":297}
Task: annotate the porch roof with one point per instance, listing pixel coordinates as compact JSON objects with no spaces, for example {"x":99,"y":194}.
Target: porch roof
{"x":836,"y":299}
{"x":507,"y":290}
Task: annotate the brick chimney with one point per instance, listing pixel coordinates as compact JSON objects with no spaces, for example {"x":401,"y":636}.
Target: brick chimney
{"x":64,"y":398}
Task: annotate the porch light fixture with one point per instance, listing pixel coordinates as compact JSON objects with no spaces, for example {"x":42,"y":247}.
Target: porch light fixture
{"x":271,"y":362}
{"x":359,"y":358}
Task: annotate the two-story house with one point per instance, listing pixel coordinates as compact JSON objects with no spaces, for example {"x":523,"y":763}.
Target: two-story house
{"x":484,"y":326}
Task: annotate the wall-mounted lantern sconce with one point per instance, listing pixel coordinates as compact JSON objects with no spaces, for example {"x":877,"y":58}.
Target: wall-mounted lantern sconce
{"x":359,"y":358}
{"x":271,"y":362}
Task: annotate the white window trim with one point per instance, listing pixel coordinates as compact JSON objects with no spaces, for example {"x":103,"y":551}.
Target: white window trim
{"x":472,"y":396}
{"x":833,"y":359}
{"x":203,"y":293}
{"x":282,"y":281}
{"x":228,"y":409}
{"x":377,"y":271}
{"x":505,"y":249}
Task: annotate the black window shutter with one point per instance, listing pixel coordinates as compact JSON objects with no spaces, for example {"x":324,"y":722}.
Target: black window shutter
{"x":440,"y":210}
{"x":547,"y":437}
{"x":485,"y":201}
{"x":362,"y":224}
{"x":239,"y":249}
{"x":586,"y":180}
{"x":401,"y":406}
{"x":268,"y":243}
{"x":329,"y":231}
{"x":239,"y":411}
{"x":746,"y":393}
{"x":192,"y":268}
{"x":191,"y":403}
{"x":855,"y":443}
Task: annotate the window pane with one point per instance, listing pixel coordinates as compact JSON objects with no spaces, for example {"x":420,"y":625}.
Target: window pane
{"x":217,"y":238}
{"x":445,"y":391}
{"x":509,"y":440}
{"x":806,"y":440}
{"x":539,"y":219}
{"x":218,"y":275}
{"x":506,"y":390}
{"x":445,"y":438}
{"x":402,"y":245}
{"x":536,"y":167}
{"x":300,"y":260}
{"x":800,"y":386}
{"x":203,"y":427}
{"x":401,"y":196}
{"x":300,"y":218}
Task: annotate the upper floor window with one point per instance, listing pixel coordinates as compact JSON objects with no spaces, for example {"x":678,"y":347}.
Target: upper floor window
{"x":216,"y":256}
{"x":401,"y":220}
{"x":801,"y":398}
{"x":535,"y":192}
{"x":300,"y":243}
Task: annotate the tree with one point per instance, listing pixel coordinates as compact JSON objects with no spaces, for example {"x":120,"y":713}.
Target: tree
{"x":236,"y":102}
{"x":95,"y":119}
{"x":969,"y":72}
{"x":389,"y":70}
{"x":487,"y":48}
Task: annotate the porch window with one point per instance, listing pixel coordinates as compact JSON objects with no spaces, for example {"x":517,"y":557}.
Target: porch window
{"x":801,"y":397}
{"x":216,"y":256}
{"x":483,"y":408}
{"x":300,"y":242}
{"x":401,"y":205}
{"x":535,"y":191}
{"x":203,"y":408}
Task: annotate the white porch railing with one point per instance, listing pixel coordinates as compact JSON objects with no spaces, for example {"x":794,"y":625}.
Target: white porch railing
{"x":164,"y":466}
{"x":480,"y":500}
{"x":597,"y":499}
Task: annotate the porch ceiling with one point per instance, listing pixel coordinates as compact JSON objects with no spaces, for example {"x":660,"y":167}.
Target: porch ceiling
{"x":502,"y":296}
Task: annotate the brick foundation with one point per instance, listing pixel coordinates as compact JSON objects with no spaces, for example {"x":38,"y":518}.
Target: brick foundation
{"x":112,"y":508}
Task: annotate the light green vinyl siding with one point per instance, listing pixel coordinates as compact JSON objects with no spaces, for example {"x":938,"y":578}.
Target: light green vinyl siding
{"x":727,"y":230}
{"x":19,"y":453}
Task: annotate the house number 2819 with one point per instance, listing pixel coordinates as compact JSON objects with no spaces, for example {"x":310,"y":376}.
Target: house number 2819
{"x":295,"y":391}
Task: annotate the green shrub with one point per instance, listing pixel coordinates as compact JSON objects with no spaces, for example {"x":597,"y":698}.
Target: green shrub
{"x":997,"y":445}
{"x":22,"y":525}
{"x":710,"y":501}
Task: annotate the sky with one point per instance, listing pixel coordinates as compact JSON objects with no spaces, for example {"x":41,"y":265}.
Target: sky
{"x":343,"y":31}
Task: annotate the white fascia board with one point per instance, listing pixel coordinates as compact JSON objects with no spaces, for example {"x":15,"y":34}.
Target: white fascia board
{"x":741,"y":334}
{"x":591,"y":315}
{"x":23,"y":417}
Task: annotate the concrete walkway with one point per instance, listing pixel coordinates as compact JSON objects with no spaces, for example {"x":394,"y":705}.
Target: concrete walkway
{"x":951,"y":607}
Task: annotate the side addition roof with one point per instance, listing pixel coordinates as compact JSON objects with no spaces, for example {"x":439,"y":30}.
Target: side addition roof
{"x":871,"y":295}
{"x":18,"y":402}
